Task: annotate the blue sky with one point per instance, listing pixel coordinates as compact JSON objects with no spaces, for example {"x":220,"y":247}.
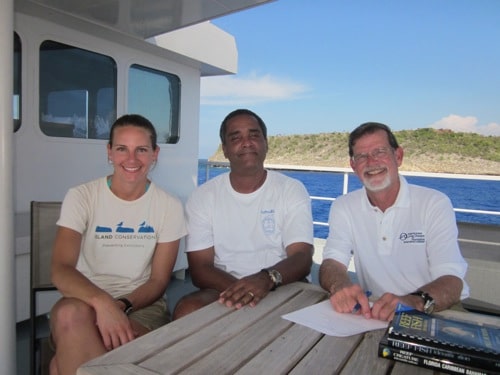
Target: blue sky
{"x":318,"y":66}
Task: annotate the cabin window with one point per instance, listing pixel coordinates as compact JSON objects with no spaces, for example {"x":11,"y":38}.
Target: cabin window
{"x":77,"y":92}
{"x":16,"y":98}
{"x":156,"y":95}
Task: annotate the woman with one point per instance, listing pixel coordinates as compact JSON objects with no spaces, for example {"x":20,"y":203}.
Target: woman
{"x":115,"y":248}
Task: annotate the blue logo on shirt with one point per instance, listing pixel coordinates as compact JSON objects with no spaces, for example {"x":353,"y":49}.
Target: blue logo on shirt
{"x":144,"y":228}
{"x":100,"y":229}
{"x":412,"y":237}
{"x":268,"y":222}
{"x":120,"y":228}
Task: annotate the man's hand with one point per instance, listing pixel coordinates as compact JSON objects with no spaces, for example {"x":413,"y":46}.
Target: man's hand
{"x":248,"y":290}
{"x":346,"y":299}
{"x":385,"y":306}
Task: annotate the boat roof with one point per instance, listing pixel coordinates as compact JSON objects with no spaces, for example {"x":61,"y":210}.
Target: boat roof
{"x":180,"y":26}
{"x":147,"y":18}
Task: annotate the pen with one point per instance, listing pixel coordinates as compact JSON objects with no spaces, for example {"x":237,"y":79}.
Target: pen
{"x":358,"y":306}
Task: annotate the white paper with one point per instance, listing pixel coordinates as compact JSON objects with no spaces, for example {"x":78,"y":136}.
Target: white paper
{"x":321,"y":317}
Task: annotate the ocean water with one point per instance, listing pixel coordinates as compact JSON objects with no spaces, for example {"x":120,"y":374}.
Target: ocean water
{"x":465,"y":194}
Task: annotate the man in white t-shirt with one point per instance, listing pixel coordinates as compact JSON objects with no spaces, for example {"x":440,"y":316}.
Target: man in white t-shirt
{"x":249,"y":230}
{"x":403,"y":237}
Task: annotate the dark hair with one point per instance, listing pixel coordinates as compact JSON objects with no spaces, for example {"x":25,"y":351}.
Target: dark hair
{"x":134,"y":120}
{"x":237,"y":112}
{"x":370,"y":128}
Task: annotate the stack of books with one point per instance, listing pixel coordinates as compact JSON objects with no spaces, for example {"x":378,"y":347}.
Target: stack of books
{"x":442,"y":344}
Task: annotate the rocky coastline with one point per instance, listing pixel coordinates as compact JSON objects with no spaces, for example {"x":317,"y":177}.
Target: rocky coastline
{"x":429,"y":163}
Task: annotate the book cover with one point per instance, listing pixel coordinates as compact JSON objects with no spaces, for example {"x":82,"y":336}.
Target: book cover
{"x":429,"y":361}
{"x":447,"y":333}
{"x":475,"y":360}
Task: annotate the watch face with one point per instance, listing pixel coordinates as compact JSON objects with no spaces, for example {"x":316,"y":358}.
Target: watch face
{"x":429,"y":305}
{"x":429,"y":302}
{"x":276,"y":276}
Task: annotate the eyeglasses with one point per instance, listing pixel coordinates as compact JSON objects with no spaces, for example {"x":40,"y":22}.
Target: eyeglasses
{"x":377,"y":154}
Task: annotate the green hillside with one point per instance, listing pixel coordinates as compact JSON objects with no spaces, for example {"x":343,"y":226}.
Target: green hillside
{"x":426,"y":150}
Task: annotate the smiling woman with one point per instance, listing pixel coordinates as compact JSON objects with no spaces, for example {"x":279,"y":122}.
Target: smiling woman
{"x":113,"y":285}
{"x":132,"y":150}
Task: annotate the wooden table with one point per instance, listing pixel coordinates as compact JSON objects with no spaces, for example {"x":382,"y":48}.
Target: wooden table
{"x":219,"y":340}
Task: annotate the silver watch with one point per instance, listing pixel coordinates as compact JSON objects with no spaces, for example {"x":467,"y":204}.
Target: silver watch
{"x":275,"y":276}
{"x":429,"y":302}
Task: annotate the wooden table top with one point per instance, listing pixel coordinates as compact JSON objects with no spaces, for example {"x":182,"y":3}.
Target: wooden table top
{"x":219,"y":340}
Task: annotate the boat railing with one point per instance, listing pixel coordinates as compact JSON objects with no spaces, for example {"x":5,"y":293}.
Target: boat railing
{"x":347,"y":172}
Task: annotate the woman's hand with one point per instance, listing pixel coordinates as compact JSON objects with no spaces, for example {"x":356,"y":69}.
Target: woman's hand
{"x":113,"y":324}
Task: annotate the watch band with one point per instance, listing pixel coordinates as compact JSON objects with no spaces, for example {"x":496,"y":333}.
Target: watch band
{"x":128,"y":305}
{"x":429,"y":302}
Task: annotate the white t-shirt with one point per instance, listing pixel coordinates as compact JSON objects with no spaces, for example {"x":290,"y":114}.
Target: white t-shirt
{"x":119,"y":237}
{"x":409,"y":245}
{"x":249,"y":231}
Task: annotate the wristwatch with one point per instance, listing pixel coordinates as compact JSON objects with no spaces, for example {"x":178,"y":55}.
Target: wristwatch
{"x":275,"y":277}
{"x":128,"y":305}
{"x":429,"y":302}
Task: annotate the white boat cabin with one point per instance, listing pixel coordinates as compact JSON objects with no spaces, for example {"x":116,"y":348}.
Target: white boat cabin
{"x":74,"y":68}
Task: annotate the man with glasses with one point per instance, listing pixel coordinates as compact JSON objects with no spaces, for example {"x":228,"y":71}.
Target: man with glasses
{"x":403,"y":237}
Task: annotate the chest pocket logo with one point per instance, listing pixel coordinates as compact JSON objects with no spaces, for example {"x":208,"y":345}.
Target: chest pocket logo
{"x":268,"y":222}
{"x":412,"y":237}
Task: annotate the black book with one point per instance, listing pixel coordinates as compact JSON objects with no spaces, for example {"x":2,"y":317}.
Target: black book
{"x":429,"y":361}
{"x":469,"y":359}
{"x":462,"y":342}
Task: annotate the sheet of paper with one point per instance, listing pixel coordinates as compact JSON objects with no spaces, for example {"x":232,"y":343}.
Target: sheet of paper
{"x":321,"y":317}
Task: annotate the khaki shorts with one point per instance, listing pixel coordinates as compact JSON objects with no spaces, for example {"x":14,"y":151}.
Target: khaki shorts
{"x":152,"y":316}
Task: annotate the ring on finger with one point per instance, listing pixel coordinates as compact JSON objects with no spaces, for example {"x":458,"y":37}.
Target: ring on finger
{"x":251,"y":295}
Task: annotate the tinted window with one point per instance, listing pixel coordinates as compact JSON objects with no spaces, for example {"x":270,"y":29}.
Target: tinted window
{"x":77,"y":92}
{"x":156,"y":95}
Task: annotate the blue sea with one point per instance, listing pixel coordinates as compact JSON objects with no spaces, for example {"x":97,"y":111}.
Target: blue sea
{"x":465,"y":194}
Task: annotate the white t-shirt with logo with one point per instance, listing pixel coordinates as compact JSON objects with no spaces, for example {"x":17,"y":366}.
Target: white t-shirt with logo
{"x":119,"y":237}
{"x":249,"y":231}
{"x":409,"y":245}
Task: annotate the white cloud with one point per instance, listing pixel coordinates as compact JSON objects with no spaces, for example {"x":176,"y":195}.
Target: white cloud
{"x":467,"y":124}
{"x":234,"y":90}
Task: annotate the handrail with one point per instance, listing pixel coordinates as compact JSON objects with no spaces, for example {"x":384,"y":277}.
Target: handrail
{"x":347,"y":171}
